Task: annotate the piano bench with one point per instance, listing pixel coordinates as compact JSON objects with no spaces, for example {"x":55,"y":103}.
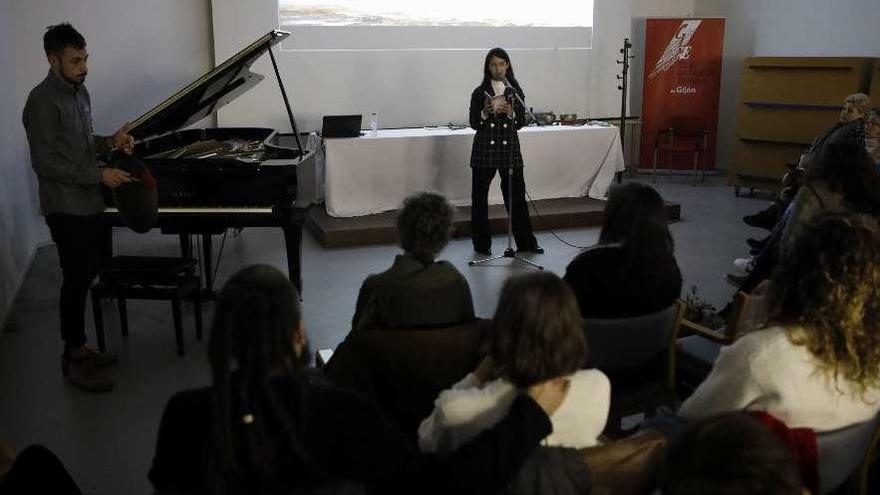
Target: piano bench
{"x":147,"y":277}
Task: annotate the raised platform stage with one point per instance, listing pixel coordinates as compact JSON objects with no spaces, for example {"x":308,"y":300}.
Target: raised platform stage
{"x":562,"y":213}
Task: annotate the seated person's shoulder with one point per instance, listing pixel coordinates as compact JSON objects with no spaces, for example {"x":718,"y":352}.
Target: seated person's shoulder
{"x":597,"y":253}
{"x":591,"y":384}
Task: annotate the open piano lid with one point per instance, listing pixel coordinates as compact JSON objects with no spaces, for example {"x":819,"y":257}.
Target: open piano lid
{"x":208,"y":93}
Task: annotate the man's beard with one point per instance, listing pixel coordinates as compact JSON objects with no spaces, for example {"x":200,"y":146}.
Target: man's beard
{"x":75,"y":80}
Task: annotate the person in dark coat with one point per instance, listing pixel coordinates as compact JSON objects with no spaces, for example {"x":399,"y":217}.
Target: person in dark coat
{"x":497,"y":114}
{"x":417,"y":291}
{"x":632,"y":270}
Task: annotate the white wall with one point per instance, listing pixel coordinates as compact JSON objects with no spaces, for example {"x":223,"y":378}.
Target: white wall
{"x":20,"y":230}
{"x":140,"y":52}
{"x":419,"y":87}
{"x":789,"y":28}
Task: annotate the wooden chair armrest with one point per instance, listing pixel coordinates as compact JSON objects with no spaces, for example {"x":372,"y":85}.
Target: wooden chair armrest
{"x":691,"y":328}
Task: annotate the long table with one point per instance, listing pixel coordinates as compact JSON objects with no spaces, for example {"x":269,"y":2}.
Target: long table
{"x":368,"y":175}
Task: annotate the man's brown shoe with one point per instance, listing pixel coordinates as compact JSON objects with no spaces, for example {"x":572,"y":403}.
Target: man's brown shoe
{"x":82,"y":373}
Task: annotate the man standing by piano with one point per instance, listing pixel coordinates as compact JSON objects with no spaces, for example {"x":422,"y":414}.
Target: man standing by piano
{"x":58,"y":122}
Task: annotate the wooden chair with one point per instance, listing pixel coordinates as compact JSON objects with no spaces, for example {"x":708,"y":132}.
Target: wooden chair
{"x":405,"y":370}
{"x":638,"y":355}
{"x":683,"y":137}
{"x":147,"y":277}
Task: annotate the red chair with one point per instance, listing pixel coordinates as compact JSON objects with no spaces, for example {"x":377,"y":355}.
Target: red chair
{"x":682,"y":137}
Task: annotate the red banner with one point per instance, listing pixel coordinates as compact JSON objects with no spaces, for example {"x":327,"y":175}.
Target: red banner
{"x":681,"y":89}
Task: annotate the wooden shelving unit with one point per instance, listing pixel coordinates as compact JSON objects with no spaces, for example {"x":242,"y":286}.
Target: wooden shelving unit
{"x":785,"y":102}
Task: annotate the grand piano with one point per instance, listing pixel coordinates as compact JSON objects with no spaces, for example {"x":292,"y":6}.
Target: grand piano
{"x":215,"y":179}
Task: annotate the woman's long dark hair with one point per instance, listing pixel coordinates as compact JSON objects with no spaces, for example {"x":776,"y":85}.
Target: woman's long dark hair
{"x":635,"y":217}
{"x":487,"y":76}
{"x":846,"y":167}
{"x":252,"y":333}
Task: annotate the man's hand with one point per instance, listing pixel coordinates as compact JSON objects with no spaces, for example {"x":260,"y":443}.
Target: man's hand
{"x":113,"y":177}
{"x":550,"y":394}
{"x":122,"y":140}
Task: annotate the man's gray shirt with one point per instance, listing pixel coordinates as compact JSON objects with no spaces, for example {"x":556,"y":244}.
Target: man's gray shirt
{"x":58,"y":121}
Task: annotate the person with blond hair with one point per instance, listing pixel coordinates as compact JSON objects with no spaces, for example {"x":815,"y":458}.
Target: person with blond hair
{"x":816,"y":363}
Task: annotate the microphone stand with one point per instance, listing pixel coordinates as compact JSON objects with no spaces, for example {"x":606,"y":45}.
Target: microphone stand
{"x":626,"y":56}
{"x":509,"y":252}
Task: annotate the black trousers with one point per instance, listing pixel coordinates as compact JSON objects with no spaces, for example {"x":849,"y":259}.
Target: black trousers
{"x":481,"y":179}
{"x":79,"y":242}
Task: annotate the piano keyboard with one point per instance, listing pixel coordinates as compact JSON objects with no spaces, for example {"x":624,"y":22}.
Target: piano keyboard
{"x":199,"y":210}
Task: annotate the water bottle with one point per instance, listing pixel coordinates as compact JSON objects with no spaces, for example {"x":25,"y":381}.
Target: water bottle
{"x":374,"y":124}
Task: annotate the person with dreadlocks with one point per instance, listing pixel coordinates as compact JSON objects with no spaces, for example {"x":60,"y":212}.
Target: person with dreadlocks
{"x":268,"y":425}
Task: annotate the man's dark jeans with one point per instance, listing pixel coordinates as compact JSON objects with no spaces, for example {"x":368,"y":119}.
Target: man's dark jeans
{"x":79,"y":242}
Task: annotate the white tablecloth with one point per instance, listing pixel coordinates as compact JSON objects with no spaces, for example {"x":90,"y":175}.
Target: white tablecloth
{"x":368,"y":175}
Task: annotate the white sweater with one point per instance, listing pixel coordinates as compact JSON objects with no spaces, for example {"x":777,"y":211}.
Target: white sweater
{"x":764,"y":371}
{"x":468,"y":408}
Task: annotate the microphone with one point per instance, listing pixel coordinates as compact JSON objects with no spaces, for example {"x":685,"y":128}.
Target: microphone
{"x":518,"y":98}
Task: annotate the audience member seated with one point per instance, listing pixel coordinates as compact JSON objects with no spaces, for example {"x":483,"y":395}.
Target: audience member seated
{"x":632,"y":270}
{"x":536,"y":335}
{"x":872,"y":136}
{"x":730,"y":454}
{"x":816,"y":364}
{"x":851,"y":129}
{"x":842,"y":180}
{"x":855,"y":108}
{"x":417,"y":291}
{"x":269,"y":426}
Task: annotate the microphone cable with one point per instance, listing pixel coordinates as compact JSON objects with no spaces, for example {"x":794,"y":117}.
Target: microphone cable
{"x":552,"y":231}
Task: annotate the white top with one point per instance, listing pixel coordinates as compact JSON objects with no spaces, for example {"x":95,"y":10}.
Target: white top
{"x":468,"y":408}
{"x":765,"y":371}
{"x":498,"y":87}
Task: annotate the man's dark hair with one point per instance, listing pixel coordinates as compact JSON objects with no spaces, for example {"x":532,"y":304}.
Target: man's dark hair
{"x":537,"y":331}
{"x":60,"y":36}
{"x":487,"y":76}
{"x":730,"y":454}
{"x":251,"y":341}
{"x":424,"y":225}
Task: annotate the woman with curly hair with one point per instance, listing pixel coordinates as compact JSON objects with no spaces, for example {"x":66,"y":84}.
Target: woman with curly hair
{"x":816,"y":364}
{"x":417,"y":291}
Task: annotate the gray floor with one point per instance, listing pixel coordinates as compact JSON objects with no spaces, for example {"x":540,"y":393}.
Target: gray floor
{"x":107,"y":440}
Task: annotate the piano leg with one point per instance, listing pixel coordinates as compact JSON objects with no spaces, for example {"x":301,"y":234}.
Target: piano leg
{"x":293,"y":243}
{"x":208,"y":253}
{"x":185,"y":246}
